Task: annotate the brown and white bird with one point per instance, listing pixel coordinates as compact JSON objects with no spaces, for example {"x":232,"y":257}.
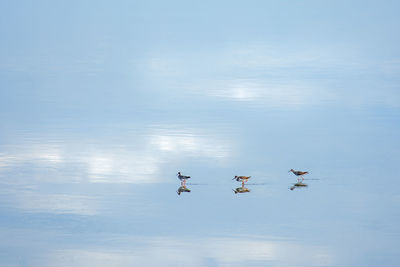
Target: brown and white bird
{"x":241,"y":178}
{"x":298,"y":173}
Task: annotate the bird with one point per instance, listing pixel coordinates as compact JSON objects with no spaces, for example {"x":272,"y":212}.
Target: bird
{"x":243,"y":178}
{"x":183,"y":178}
{"x":298,"y":173}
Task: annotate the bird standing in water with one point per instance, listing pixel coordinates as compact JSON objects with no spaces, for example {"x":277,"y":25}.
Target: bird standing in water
{"x":183,"y":178}
{"x":298,"y":173}
{"x":242,"y":178}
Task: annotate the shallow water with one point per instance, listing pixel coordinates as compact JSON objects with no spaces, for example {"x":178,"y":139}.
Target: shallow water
{"x":101,"y":105}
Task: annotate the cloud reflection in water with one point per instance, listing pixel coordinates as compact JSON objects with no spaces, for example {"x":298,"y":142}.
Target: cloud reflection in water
{"x":40,"y":202}
{"x":276,"y":76}
{"x":174,"y":251}
{"x":130,"y":162}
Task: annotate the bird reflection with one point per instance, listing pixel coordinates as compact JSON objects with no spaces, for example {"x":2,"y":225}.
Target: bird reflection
{"x":298,"y":185}
{"x":241,"y":189}
{"x":182,"y":188}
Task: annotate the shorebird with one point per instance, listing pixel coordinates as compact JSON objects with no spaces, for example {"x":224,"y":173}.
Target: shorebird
{"x":242,"y":178}
{"x":298,"y":173}
{"x":183,"y":178}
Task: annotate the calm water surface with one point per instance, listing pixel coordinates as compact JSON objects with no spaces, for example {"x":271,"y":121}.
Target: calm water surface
{"x":102,"y":104}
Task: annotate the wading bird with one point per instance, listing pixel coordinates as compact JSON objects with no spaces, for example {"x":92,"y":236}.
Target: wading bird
{"x":183,"y":178}
{"x":241,"y":178}
{"x":298,"y":173}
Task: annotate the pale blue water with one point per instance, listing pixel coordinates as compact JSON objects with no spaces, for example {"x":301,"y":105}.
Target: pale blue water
{"x":101,"y":104}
